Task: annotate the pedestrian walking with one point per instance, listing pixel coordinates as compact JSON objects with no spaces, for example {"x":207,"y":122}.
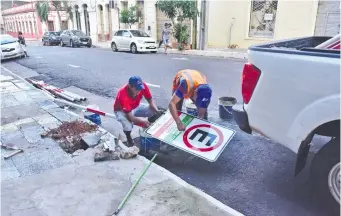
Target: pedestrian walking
{"x":22,"y":42}
{"x":166,"y":34}
{"x":128,"y":109}
{"x":190,"y":84}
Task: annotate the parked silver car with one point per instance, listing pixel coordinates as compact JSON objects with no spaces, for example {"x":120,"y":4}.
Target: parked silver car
{"x":10,"y":47}
{"x":75,"y":38}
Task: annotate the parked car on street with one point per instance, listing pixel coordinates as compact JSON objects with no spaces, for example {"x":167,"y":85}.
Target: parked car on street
{"x":75,"y":38}
{"x":133,"y":41}
{"x":10,"y":47}
{"x":51,"y":38}
{"x":291,"y":92}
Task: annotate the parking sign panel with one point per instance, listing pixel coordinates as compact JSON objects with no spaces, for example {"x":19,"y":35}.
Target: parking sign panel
{"x":201,"y":138}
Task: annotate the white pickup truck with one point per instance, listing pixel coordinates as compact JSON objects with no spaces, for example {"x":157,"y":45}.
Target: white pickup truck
{"x":291,"y":91}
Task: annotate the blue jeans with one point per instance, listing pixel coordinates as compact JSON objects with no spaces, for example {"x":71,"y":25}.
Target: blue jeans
{"x":143,"y":110}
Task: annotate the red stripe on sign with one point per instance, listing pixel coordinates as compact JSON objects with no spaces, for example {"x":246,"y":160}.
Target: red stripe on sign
{"x":96,"y":111}
{"x":163,"y":128}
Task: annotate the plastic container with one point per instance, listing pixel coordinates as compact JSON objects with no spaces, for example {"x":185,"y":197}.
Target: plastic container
{"x":225,"y":107}
{"x":191,"y":108}
{"x":93,"y":117}
{"x":148,"y":143}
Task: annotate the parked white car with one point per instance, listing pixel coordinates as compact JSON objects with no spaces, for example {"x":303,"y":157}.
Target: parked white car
{"x":133,"y":41}
{"x":10,"y":47}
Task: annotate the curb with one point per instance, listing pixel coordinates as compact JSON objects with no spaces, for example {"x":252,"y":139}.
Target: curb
{"x":229,"y":211}
{"x":204,"y":53}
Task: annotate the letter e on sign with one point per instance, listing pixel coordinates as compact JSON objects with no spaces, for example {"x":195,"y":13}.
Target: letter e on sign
{"x":203,"y":137}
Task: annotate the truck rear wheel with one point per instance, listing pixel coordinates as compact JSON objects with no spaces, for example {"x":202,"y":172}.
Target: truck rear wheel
{"x":325,"y":175}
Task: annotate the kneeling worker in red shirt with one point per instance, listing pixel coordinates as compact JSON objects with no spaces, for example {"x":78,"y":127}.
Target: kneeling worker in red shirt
{"x":128,"y":109}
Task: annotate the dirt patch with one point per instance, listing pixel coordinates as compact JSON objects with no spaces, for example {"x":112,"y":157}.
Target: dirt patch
{"x":68,"y":135}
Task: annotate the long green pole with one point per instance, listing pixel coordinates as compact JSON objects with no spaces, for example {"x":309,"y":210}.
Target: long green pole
{"x":134,"y":185}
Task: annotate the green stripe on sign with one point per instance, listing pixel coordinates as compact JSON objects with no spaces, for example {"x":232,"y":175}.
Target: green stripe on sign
{"x":174,"y":133}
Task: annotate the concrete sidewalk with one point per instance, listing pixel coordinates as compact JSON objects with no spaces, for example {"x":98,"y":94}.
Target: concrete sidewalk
{"x":221,"y":53}
{"x":45,"y":180}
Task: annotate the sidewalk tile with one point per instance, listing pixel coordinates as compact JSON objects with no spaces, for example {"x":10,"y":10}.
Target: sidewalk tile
{"x":9,"y":136}
{"x":26,"y":111}
{"x":34,"y":162}
{"x":23,"y":121}
{"x":27,"y":212}
{"x":45,"y":118}
{"x":63,"y":116}
{"x":9,"y":101}
{"x":22,"y":97}
{"x":48,"y":104}
{"x":32,"y":134}
{"x":8,"y":128}
{"x":8,"y":169}
{"x":51,"y":125}
{"x":23,"y":86}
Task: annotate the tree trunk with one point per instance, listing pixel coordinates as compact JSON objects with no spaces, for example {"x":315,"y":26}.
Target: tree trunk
{"x":44,"y":26}
{"x":59,"y":27}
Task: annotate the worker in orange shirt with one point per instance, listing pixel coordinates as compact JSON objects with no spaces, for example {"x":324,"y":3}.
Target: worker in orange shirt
{"x":190,"y":84}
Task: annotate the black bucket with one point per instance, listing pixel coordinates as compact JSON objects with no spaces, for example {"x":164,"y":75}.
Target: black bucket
{"x":225,"y":107}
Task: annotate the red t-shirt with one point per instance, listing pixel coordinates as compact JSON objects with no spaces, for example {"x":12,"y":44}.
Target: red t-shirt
{"x":124,"y":102}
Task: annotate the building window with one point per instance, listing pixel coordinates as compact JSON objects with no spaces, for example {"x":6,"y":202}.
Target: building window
{"x":263,"y":18}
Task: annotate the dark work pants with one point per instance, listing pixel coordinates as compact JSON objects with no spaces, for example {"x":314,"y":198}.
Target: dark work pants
{"x":179,"y":107}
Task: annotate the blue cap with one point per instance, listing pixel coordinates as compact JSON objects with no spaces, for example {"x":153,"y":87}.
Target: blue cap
{"x":204,"y":94}
{"x":136,"y":81}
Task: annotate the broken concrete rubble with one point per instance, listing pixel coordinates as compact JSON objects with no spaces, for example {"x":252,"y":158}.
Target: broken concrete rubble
{"x":68,"y":135}
{"x":130,"y":153}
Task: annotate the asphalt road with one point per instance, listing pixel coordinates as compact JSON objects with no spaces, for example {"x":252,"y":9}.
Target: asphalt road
{"x":253,"y":175}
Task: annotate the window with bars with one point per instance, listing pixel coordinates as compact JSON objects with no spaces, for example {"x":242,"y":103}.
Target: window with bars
{"x":263,"y":18}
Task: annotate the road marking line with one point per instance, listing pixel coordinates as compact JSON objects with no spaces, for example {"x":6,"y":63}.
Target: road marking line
{"x":75,"y":66}
{"x":184,"y":59}
{"x":152,"y":85}
{"x":39,"y":57}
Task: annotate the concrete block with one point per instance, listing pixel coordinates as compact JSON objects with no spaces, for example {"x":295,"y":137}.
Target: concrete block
{"x":32,"y":134}
{"x":47,"y":105}
{"x":91,"y":139}
{"x":41,"y":160}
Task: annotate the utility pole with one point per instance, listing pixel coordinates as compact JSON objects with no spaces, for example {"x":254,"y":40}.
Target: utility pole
{"x":202,"y":25}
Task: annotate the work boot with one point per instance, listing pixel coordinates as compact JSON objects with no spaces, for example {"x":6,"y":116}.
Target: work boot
{"x":130,"y":141}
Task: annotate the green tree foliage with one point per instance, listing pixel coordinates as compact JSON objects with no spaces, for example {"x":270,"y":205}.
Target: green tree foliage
{"x":42,"y":8}
{"x":179,"y":10}
{"x":129,"y":16}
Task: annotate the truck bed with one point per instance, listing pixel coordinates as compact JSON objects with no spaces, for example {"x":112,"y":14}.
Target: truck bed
{"x":298,"y":46}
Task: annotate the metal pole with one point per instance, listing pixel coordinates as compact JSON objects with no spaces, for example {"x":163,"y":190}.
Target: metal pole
{"x":134,"y":185}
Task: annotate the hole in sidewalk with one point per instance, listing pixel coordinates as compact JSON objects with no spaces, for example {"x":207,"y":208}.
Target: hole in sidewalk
{"x":69,"y":135}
